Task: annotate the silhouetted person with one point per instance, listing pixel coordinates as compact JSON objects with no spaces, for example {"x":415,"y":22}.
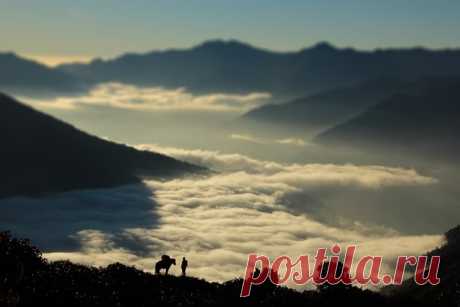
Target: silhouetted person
{"x":184,"y":265}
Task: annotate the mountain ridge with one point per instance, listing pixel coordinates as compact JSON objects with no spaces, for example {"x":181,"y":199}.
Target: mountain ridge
{"x":327,"y":108}
{"x":27,"y":77}
{"x":230,"y":66}
{"x":42,"y":155}
{"x":233,"y":66}
{"x":423,"y":123}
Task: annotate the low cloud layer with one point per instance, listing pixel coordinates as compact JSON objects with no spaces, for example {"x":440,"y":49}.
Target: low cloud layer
{"x":298,"y":175}
{"x":257,"y":140}
{"x":217,"y":220}
{"x":118,"y":95}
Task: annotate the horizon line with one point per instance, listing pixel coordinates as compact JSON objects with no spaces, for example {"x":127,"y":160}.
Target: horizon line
{"x":55,"y":60}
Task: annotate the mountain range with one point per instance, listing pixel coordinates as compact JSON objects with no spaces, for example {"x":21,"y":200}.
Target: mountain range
{"x":344,"y":90}
{"x":423,"y":123}
{"x":41,"y":155}
{"x":25,"y":77}
{"x":232,"y":66}
{"x":329,"y":107}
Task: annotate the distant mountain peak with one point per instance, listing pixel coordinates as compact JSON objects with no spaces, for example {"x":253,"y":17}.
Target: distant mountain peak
{"x":323,"y":46}
{"x":15,"y":58}
{"x":221,"y":43}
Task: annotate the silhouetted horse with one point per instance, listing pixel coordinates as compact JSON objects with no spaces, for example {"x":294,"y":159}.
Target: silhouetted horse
{"x":164,"y":263}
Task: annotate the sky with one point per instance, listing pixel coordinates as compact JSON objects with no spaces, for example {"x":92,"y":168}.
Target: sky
{"x":62,"y":30}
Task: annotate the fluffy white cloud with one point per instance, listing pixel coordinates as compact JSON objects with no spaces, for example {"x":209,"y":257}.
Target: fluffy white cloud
{"x":217,"y":221}
{"x":296,"y":175}
{"x":131,"y":97}
{"x":214,"y":221}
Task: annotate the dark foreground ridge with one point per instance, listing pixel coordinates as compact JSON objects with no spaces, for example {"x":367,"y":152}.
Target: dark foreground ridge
{"x":40,"y":155}
{"x":27,"y":279}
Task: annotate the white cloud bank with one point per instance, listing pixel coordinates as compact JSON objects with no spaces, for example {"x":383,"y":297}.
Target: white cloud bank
{"x":118,"y":95}
{"x":297,"y":175}
{"x":216,"y":221}
{"x":257,"y":140}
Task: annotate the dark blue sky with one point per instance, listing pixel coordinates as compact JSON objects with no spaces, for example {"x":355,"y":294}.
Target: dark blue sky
{"x":85,"y":28}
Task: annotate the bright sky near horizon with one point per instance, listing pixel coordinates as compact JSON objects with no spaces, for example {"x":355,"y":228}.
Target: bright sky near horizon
{"x":56,"y":31}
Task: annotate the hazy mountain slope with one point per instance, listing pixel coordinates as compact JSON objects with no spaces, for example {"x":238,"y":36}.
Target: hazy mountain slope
{"x":40,"y":155}
{"x":425,"y":123}
{"x":327,"y":108}
{"x":25,"y":77}
{"x":232,"y":66}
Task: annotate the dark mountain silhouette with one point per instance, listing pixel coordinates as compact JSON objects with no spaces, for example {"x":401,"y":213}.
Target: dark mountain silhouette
{"x":25,"y":77}
{"x":27,"y":279}
{"x":232,"y":66}
{"x":447,"y":292}
{"x":327,"y":108}
{"x":40,"y":155}
{"x":425,"y":123}
{"x":212,"y":66}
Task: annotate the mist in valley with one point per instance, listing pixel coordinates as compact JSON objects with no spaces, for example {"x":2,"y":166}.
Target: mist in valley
{"x":274,"y":190}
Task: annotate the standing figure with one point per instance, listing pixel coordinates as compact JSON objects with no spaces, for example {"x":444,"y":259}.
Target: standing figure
{"x":184,"y":265}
